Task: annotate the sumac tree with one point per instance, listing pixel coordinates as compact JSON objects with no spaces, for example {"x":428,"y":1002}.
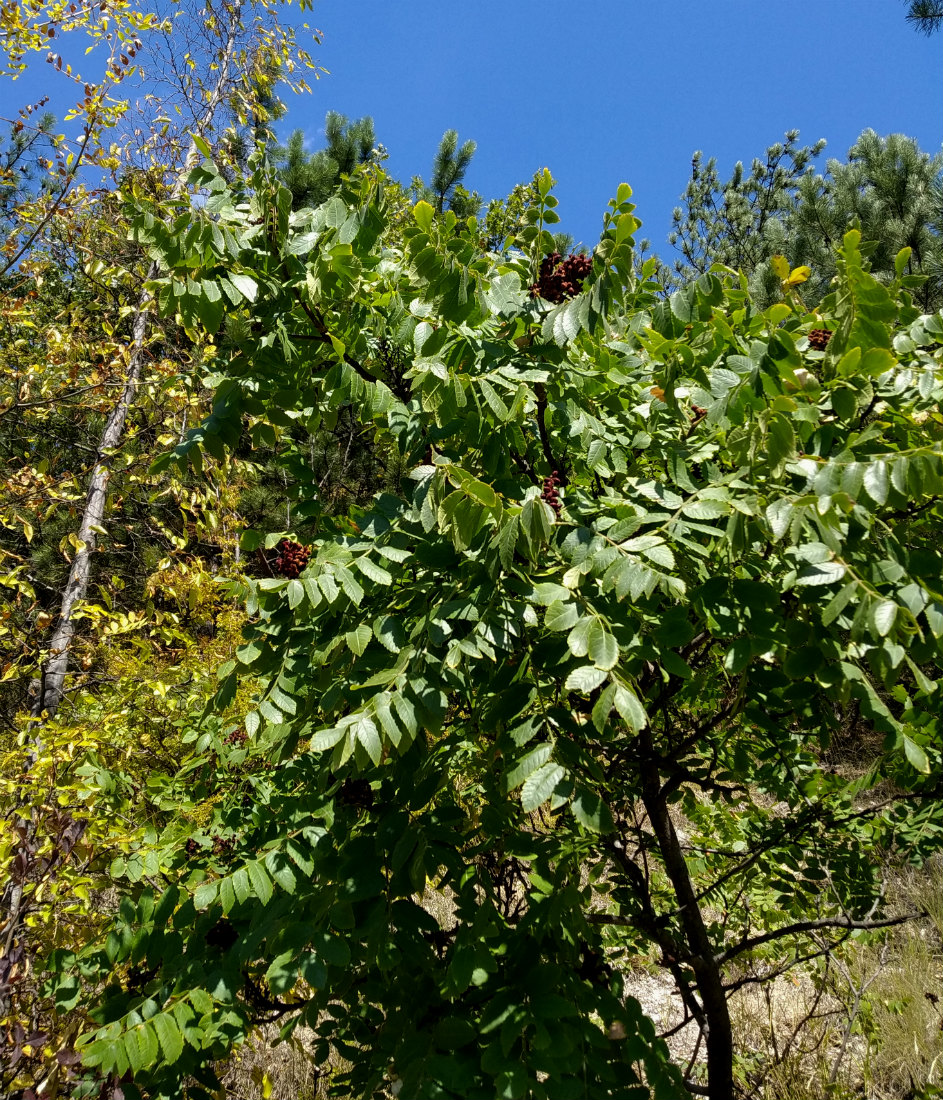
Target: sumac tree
{"x":564,"y":700}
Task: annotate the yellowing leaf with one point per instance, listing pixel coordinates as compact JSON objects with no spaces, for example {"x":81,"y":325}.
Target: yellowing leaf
{"x":798,"y":275}
{"x":780,"y":265}
{"x":423,"y":213}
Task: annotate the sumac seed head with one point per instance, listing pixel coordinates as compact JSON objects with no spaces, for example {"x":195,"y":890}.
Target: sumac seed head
{"x":559,"y":278}
{"x":819,"y":338}
{"x":292,"y":558}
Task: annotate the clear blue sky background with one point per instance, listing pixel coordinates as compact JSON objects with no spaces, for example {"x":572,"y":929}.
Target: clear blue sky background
{"x":606,"y":91}
{"x":609,"y":90}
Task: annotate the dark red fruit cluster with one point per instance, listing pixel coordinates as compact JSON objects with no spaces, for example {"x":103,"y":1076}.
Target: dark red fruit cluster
{"x":192,"y":848}
{"x":357,"y":793}
{"x":819,"y":338}
{"x":550,"y":491}
{"x":292,"y":558}
{"x":561,"y":278}
{"x":237,"y":737}
{"x":223,"y":846}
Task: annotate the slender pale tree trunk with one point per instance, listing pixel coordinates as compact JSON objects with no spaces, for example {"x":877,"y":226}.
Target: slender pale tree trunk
{"x":52,"y":682}
{"x":51,"y":686}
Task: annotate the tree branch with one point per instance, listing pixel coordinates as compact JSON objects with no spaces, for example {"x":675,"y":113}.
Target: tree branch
{"x":524,"y":465}
{"x":555,"y":466}
{"x":69,"y":180}
{"x":324,"y":336}
{"x":799,"y":927}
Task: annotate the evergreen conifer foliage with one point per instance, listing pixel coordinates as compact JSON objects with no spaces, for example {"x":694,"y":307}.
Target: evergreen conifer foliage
{"x":563,"y":700}
{"x":887,"y":188}
{"x":890,"y":190}
{"x":729,"y":223}
{"x":29,"y":142}
{"x":448,"y":172}
{"x":313,"y":178}
{"x":925,"y":15}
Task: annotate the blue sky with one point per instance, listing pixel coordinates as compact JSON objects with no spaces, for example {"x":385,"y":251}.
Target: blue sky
{"x":609,"y":90}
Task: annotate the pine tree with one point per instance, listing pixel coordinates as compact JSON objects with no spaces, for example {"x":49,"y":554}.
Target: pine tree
{"x":312,"y":178}
{"x":926,"y":15}
{"x":888,"y":188}
{"x":449,"y":167}
{"x":29,"y":140}
{"x":891,"y":191}
{"x":445,"y":189}
{"x":730,"y":223}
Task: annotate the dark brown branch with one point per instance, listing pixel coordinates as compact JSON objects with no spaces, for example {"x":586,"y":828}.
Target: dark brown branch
{"x":726,"y":711}
{"x":707,"y":970}
{"x":555,"y":467}
{"x":790,"y":829}
{"x":769,"y":976}
{"x":799,"y":927}
{"x":324,"y":336}
{"x":649,"y":924}
{"x":524,"y":465}
{"x":694,"y":1053}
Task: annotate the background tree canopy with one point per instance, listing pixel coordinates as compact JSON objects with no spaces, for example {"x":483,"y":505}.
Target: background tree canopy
{"x":887,"y":188}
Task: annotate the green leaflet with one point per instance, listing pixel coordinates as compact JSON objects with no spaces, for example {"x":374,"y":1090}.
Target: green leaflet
{"x":591,"y":812}
{"x":603,"y":649}
{"x":538,"y":787}
{"x":585,"y":679}
{"x":261,"y":883}
{"x":631,"y":710}
{"x":373,"y":571}
{"x":916,"y":756}
{"x":168,"y":1035}
{"x":529,"y":764}
{"x":359,"y":639}
{"x":561,"y":616}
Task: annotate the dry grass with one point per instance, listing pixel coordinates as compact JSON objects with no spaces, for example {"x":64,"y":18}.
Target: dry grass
{"x":263,"y":1068}
{"x":904,"y":1024}
{"x":866,"y":1025}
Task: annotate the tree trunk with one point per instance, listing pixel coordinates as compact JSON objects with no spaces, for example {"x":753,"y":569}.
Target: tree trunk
{"x":707,"y":972}
{"x":52,"y":682}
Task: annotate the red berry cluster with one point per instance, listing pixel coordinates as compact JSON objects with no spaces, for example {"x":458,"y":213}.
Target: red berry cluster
{"x":292,"y":558}
{"x":223,"y":846}
{"x":561,"y":278}
{"x":237,"y":737}
{"x":819,"y":338}
{"x":192,"y":848}
{"x":550,"y":491}
{"x":357,"y":793}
